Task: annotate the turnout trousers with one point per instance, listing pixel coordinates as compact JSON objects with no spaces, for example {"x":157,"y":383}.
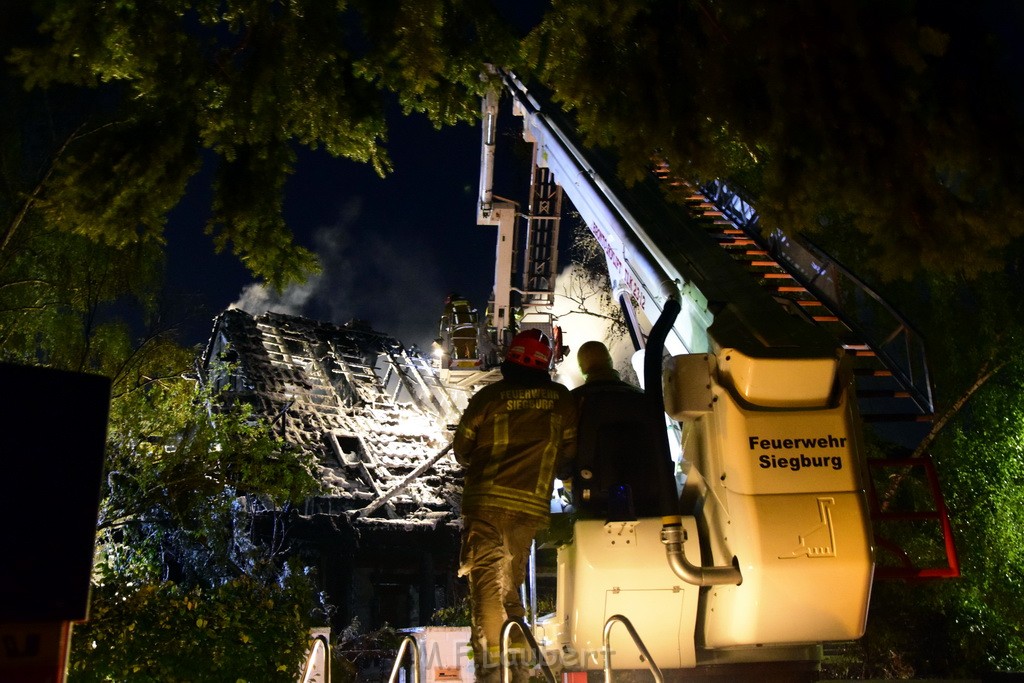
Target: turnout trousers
{"x":494,"y":555}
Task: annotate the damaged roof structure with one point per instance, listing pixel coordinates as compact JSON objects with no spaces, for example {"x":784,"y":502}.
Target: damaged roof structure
{"x":375,"y":417}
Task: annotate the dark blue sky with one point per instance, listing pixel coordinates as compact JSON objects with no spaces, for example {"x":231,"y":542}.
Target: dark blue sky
{"x":392,"y":248}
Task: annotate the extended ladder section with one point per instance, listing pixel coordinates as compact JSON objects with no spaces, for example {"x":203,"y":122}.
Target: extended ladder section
{"x":526,"y":260}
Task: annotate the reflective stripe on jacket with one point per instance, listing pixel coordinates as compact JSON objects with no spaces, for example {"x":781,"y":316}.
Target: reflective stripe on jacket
{"x":514,"y":439}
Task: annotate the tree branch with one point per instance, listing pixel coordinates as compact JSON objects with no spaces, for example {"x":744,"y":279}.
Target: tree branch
{"x":985,"y":373}
{"x":19,"y":217}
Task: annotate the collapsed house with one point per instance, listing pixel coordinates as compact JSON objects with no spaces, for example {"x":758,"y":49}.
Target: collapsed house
{"x":383,"y":535}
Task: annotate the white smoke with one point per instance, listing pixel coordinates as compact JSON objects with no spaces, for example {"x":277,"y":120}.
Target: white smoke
{"x":395,"y":287}
{"x":586,"y":313}
{"x":366,"y":276}
{"x":256,"y":298}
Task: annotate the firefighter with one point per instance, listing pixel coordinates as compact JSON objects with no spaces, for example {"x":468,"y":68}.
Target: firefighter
{"x":595,"y":363}
{"x":514,"y":437}
{"x":616,"y":468}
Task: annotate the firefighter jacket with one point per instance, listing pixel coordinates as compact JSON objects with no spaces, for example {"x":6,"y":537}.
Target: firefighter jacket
{"x":514,"y":438}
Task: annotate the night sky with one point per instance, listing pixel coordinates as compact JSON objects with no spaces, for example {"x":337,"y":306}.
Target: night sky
{"x":391,"y":248}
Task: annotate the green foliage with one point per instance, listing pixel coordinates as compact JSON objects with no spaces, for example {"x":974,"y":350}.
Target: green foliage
{"x":359,"y":656}
{"x":148,"y":152}
{"x":984,"y":455}
{"x":247,"y":80}
{"x":69,"y":302}
{"x":431,"y":53}
{"x":893,"y":117}
{"x":175,"y":472}
{"x":889,"y":128}
{"x":971,"y":625}
{"x":457,"y":614}
{"x":238,"y":631}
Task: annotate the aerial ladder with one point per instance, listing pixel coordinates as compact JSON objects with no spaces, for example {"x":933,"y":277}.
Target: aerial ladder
{"x":747,"y":544}
{"x":526,"y":268}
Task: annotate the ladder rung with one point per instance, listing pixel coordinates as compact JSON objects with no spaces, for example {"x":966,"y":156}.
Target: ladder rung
{"x":882,"y":393}
{"x":810,"y":302}
{"x":872,"y":372}
{"x":895,"y":417}
{"x":764,"y":264}
{"x":826,"y":318}
{"x":776,"y":276}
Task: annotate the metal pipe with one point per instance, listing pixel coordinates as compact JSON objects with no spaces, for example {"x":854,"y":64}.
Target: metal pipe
{"x":673,"y":535}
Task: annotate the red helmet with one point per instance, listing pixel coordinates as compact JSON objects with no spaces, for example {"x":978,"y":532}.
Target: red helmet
{"x":530,"y":349}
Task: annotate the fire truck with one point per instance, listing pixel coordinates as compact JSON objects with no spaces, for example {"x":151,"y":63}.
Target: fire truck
{"x":724,"y":524}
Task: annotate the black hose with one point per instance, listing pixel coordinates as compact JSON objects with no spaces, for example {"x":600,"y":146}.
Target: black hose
{"x":656,"y":349}
{"x":667,"y":494}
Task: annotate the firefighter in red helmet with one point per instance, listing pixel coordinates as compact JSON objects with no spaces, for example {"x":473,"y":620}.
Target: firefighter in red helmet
{"x":514,"y":437}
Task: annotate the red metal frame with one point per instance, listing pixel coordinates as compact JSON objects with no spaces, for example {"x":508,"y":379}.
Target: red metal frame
{"x":908,"y":571}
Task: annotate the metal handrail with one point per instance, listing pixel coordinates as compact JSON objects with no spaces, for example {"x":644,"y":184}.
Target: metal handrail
{"x":898,"y":343}
{"x":895,"y":339}
{"x":398,"y":660}
{"x":607,"y":642}
{"x":506,"y":631}
{"x":319,"y":643}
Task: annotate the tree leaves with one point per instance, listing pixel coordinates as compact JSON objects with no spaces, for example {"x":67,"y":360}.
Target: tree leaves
{"x":247,"y":80}
{"x":891,"y":115}
{"x":168,"y":453}
{"x":239,"y":631}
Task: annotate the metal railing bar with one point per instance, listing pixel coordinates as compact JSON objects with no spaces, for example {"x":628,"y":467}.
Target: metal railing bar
{"x":408,"y":640}
{"x":319,"y":643}
{"x":658,"y":677}
{"x":506,"y":631}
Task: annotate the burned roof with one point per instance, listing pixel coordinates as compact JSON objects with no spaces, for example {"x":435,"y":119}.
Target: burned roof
{"x":373,"y":413}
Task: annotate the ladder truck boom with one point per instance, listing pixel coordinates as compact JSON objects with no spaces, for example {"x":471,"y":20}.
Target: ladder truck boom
{"x":764,"y":548}
{"x":651,"y":260}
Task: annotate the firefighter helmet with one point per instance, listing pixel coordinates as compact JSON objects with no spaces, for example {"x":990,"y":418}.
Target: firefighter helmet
{"x":531,"y":349}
